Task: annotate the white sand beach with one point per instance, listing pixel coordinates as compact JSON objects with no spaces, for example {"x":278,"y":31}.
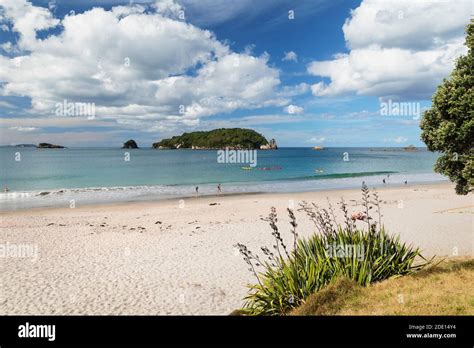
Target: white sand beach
{"x":173,"y":257}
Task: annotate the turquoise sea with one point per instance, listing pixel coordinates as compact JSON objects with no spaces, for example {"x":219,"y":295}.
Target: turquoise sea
{"x":54,"y":177}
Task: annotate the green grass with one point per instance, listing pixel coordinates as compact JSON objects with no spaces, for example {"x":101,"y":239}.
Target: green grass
{"x":444,"y":289}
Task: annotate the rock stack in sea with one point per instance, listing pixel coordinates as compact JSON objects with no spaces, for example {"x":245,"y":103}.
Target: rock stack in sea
{"x":130,"y":144}
{"x":272,"y":145}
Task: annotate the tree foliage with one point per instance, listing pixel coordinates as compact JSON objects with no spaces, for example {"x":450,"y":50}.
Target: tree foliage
{"x":448,"y":127}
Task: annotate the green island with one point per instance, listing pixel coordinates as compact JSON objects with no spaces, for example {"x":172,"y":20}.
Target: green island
{"x":233,"y":138}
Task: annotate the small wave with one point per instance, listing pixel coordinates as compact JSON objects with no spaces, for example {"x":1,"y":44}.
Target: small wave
{"x":68,"y":191}
{"x":169,"y":188}
{"x":351,"y":175}
{"x":338,"y":175}
{"x":95,"y":195}
{"x":14,"y":195}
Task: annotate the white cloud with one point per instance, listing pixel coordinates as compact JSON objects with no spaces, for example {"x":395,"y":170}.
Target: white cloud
{"x":168,"y":8}
{"x":405,"y":23}
{"x":259,"y":120}
{"x":397,"y":140}
{"x":293,"y":109}
{"x":212,"y":12}
{"x":291,"y":91}
{"x":43,"y":122}
{"x":64,"y":138}
{"x":23,"y":129}
{"x":209,"y":12}
{"x":397,"y":49}
{"x":290,"y":56}
{"x":134,"y":65}
{"x":317,"y":140}
{"x":7,"y":46}
{"x":6,"y":104}
{"x":27,"y":20}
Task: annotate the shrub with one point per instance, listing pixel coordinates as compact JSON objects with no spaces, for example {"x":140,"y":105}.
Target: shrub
{"x":365,"y":255}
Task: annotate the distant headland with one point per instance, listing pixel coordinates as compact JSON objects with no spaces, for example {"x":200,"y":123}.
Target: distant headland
{"x":410,"y":148}
{"x":49,"y":146}
{"x":232,"y":138}
{"x":39,"y":146}
{"x":25,"y":145}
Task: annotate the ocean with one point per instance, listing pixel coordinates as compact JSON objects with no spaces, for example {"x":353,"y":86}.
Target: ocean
{"x":58,"y":177}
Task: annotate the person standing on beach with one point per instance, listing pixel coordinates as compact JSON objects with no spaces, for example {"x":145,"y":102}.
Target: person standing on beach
{"x":197,"y":190}
{"x":383,"y":181}
{"x":219,"y":190}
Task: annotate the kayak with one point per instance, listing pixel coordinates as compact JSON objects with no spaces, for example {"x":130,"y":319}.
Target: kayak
{"x":247,"y":168}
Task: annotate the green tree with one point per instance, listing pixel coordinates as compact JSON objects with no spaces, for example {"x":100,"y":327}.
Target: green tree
{"x":448,"y":127}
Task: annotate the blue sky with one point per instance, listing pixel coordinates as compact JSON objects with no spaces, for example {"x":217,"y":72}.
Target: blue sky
{"x":306,"y":73}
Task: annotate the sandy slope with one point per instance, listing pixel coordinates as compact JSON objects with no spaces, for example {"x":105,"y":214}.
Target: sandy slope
{"x":170,"y":258}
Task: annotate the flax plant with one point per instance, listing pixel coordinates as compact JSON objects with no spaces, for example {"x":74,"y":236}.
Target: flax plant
{"x":285,"y":278}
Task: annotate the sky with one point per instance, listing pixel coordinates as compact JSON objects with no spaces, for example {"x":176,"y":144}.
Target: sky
{"x":307,"y":72}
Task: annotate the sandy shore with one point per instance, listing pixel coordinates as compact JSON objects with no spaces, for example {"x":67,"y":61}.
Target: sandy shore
{"x":177,"y":257}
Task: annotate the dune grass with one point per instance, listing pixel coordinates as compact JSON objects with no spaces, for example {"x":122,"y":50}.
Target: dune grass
{"x":444,"y":289}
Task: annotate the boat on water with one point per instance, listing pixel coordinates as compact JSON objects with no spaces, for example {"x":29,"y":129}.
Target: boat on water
{"x":319,"y":171}
{"x":270,"y":168}
{"x":247,"y":168}
{"x":317,"y":148}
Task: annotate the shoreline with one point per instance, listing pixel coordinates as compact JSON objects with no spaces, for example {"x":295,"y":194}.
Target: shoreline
{"x":155,"y":199}
{"x":157,"y":258}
